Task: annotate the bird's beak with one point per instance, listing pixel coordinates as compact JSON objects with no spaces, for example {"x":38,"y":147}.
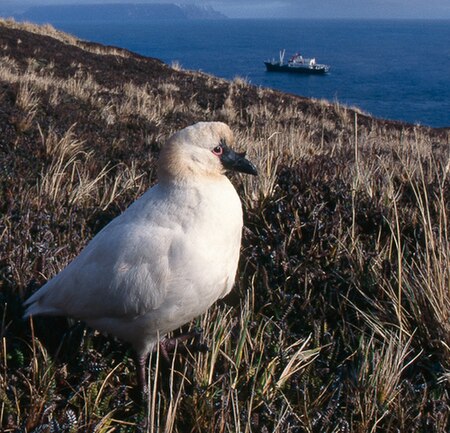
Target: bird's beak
{"x":232,"y":160}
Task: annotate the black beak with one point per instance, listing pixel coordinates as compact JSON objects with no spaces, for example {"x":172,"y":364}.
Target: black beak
{"x":232,"y":160}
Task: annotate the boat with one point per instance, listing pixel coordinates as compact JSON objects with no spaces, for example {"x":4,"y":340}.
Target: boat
{"x":297,"y":64}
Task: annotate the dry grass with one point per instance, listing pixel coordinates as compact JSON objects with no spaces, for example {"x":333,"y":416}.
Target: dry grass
{"x":49,"y":30}
{"x":340,"y":318}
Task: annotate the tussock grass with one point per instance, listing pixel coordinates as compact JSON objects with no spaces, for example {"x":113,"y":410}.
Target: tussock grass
{"x":49,"y":30}
{"x":340,"y":318}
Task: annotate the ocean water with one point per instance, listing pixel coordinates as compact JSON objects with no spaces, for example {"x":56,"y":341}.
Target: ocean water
{"x":393,"y":69}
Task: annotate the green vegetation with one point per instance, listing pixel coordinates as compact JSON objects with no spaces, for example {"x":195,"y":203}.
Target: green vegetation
{"x":339,"y":321}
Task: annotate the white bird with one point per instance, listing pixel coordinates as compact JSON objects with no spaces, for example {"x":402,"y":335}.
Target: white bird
{"x":168,"y":257}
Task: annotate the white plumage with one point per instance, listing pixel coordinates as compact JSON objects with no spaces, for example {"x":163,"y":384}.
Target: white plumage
{"x":169,"y":256}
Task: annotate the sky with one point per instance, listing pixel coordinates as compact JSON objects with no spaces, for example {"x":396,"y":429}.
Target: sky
{"x":384,"y":9}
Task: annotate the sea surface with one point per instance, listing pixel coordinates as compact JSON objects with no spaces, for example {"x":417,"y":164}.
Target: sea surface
{"x":393,"y":69}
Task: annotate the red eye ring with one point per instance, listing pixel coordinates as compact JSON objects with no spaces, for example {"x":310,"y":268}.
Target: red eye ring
{"x":218,"y":150}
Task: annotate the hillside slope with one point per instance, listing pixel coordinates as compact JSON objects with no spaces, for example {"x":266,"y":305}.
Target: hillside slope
{"x":340,"y":316}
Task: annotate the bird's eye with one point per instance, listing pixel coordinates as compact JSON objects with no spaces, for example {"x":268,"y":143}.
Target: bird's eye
{"x":218,"y":150}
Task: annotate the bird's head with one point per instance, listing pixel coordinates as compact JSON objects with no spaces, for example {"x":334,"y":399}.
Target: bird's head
{"x":203,"y":149}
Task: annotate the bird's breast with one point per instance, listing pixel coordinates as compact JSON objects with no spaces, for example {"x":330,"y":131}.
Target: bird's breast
{"x":203,"y":256}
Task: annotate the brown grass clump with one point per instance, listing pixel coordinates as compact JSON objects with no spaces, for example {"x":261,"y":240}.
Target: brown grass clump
{"x":340,"y":318}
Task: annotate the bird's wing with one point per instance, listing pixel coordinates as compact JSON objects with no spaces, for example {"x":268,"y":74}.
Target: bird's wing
{"x":122,"y":272}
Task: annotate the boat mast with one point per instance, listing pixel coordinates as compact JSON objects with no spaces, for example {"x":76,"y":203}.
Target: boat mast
{"x":282,"y":56}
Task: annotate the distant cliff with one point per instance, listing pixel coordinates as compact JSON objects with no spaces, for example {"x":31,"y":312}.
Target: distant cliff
{"x":117,"y":12}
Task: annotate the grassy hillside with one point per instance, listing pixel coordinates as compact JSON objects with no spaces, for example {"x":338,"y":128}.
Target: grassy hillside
{"x":339,"y":321}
